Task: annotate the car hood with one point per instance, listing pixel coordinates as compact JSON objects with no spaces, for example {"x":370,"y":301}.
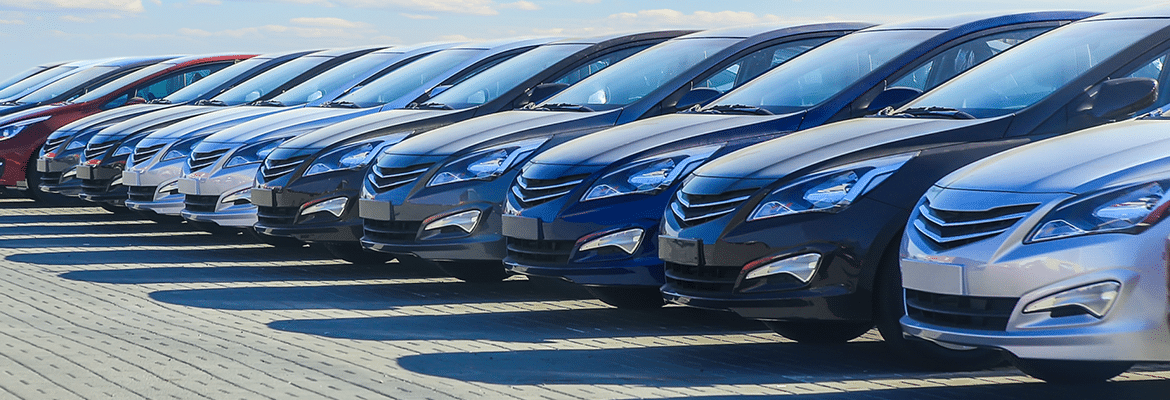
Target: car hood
{"x":31,"y":113}
{"x":294,"y":122}
{"x":618,"y":143}
{"x":152,"y":120}
{"x":215,"y":121}
{"x":113,"y":116}
{"x":502,"y":127}
{"x":384,"y":122}
{"x":1081,"y":162}
{"x":780,"y":157}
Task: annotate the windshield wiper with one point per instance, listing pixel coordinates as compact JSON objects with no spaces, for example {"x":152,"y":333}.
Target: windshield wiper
{"x":268,"y":103}
{"x":211,"y":102}
{"x":159,"y":101}
{"x":562,"y":107}
{"x":737,"y":108}
{"x":934,"y":111}
{"x":9,"y":103}
{"x":434,"y":106}
{"x":342,"y":104}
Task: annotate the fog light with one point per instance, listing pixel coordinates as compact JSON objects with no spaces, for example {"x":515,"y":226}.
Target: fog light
{"x":466,"y":221}
{"x":70,"y":174}
{"x":171,"y":187}
{"x":239,"y":195}
{"x":801,"y":267}
{"x":627,"y":240}
{"x":335,"y":206}
{"x":1096,"y":299}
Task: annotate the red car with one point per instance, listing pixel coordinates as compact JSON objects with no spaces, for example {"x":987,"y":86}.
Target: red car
{"x":22,"y":133}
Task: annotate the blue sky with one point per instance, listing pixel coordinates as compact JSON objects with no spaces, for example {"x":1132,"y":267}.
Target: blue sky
{"x":33,"y":31}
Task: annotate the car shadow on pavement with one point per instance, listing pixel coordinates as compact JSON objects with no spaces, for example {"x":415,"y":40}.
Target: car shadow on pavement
{"x":119,"y":241}
{"x":334,"y":272}
{"x":259,"y":253}
{"x":360,"y":297}
{"x":1023,"y":391}
{"x":538,"y":326}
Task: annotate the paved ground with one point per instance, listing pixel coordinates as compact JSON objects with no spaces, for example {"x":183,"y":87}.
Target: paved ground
{"x":96,"y":305}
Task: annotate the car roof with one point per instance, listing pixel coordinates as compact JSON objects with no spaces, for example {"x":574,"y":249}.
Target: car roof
{"x":202,"y":58}
{"x":743,"y":32}
{"x":346,"y":50}
{"x":1154,"y":11}
{"x":505,"y":44}
{"x":977,"y":21}
{"x":135,"y":61}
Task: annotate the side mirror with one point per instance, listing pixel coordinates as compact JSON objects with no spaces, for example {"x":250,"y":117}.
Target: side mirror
{"x":1119,"y":97}
{"x":135,"y":100}
{"x":892,"y":97}
{"x":697,"y":96}
{"x":543,"y":91}
{"x":437,"y":90}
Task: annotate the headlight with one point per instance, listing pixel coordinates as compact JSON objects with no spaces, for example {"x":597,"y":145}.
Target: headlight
{"x":1129,"y":210}
{"x":649,"y":175}
{"x":486,"y":164}
{"x":11,"y":130}
{"x":353,"y":157}
{"x":831,"y":190}
{"x":181,"y":149}
{"x":253,"y":153}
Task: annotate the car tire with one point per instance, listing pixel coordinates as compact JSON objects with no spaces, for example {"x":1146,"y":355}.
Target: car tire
{"x":475,"y":271}
{"x":629,"y":298}
{"x":889,"y":308}
{"x":1074,"y":372}
{"x":819,"y":332}
{"x":355,"y":254}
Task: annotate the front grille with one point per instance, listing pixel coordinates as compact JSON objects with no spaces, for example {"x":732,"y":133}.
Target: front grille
{"x":967,"y":312}
{"x":694,"y":209}
{"x":391,"y":231}
{"x":200,"y":203}
{"x":95,"y":150}
{"x":54,"y":143}
{"x":96,"y":186}
{"x":949,"y":229}
{"x":388,"y":178}
{"x":273,"y":169}
{"x":141,"y":193}
{"x":540,"y":251}
{"x":533,"y":192}
{"x":702,"y":279}
{"x":276,"y":215}
{"x":143,"y":154}
{"x":203,"y":159}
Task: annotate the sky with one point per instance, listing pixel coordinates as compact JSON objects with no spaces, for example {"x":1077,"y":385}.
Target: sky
{"x":37,"y":31}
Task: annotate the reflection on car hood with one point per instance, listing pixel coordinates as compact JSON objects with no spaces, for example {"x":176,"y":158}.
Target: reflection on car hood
{"x":214,"y":121}
{"x":782,"y":156}
{"x":1088,"y":160}
{"x":502,"y":127}
{"x":150,"y":121}
{"x":614,"y":144}
{"x":383,"y":122}
{"x":111,"y":117}
{"x":285,"y":123}
{"x":29,"y":113}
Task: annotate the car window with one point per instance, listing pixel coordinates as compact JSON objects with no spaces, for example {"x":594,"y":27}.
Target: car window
{"x":1155,"y":69}
{"x":165,"y":85}
{"x":603,"y":62}
{"x":758,"y":62}
{"x":961,"y":57}
{"x":505,"y":76}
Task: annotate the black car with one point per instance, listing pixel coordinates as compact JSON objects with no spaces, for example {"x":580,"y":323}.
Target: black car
{"x":310,"y":183}
{"x":461,"y":231}
{"x":803,"y":231}
{"x":588,"y":211}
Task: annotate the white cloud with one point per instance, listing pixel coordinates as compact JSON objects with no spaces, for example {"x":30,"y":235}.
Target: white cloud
{"x":418,"y":16}
{"x":322,"y":27}
{"x":521,"y":5}
{"x":329,"y":22}
{"x":475,"y":7}
{"x":131,"y":6}
{"x":700,"y":19}
{"x":74,"y":18}
{"x":11,"y":22}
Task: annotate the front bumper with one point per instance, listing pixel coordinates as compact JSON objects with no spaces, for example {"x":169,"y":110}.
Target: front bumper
{"x":280,"y":213}
{"x":101,"y":184}
{"x":59,"y":176}
{"x":539,"y":248}
{"x":399,"y":230}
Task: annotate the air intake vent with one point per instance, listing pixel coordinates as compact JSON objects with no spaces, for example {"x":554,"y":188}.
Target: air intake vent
{"x":693,"y":209}
{"x":388,"y":178}
{"x":533,"y":192}
{"x":948,"y":229}
{"x":95,"y":150}
{"x":143,"y":154}
{"x":273,"y":169}
{"x":203,"y":159}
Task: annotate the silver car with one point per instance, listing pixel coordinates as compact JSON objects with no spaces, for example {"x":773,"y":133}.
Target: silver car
{"x":1052,"y":252}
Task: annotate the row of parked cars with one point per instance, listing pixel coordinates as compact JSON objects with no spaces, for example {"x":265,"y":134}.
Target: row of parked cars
{"x":969,"y":184}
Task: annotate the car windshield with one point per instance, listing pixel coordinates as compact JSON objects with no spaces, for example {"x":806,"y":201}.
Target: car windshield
{"x":497,"y":80}
{"x":1037,"y":68}
{"x":630,"y":80}
{"x":65,"y":85}
{"x":824,"y":71}
{"x":255,"y":88}
{"x":123,"y":82}
{"x":33,"y":81}
{"x":331,"y":81}
{"x":202,"y":86}
{"x":403,"y":80}
{"x":28,"y":73}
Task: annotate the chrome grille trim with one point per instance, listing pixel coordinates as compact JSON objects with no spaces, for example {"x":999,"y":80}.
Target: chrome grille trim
{"x":273,"y":169}
{"x":387,"y":178}
{"x":93,"y":150}
{"x":532,"y":194}
{"x":143,"y":154}
{"x":201,"y":160}
{"x":690,"y":211}
{"x":53,"y":143}
{"x":953,"y":228}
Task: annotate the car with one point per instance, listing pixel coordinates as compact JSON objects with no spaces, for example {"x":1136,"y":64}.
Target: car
{"x":23,"y":133}
{"x":334,"y":157}
{"x":398,"y":89}
{"x":13,"y":91}
{"x":803,"y":231}
{"x":337,"y":72}
{"x":82,"y":79}
{"x":462,"y":233}
{"x":28,"y":73}
{"x":588,"y":210}
{"x":62,"y":152}
{"x":1045,"y":251}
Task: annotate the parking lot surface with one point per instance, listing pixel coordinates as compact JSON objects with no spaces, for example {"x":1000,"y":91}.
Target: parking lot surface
{"x":100,"y":305}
